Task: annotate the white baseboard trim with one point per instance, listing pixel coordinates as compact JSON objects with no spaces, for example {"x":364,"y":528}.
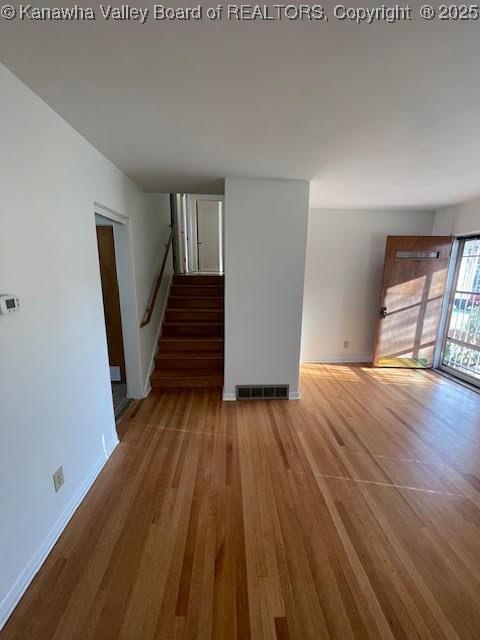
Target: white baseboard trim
{"x":147,"y":387}
{"x":294,"y":395}
{"x":338,"y":360}
{"x":21,"y":584}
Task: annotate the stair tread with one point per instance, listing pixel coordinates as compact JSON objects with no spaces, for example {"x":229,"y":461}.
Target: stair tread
{"x":192,"y":321}
{"x":169,"y":308}
{"x":208,"y":290}
{"x":195,"y":383}
{"x":168,"y":355}
{"x":158,"y":374}
{"x":192,"y":315}
{"x":192,"y":339}
{"x":207,"y":300}
{"x":182,"y":323}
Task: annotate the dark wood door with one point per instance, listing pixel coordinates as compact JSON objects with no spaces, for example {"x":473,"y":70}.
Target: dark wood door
{"x":413,"y":288}
{"x":111,"y":298}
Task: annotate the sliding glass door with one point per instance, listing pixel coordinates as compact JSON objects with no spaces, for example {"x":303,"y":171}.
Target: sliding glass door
{"x":461,"y":349}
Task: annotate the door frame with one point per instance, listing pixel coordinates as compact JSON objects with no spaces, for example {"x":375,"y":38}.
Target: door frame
{"x":191,"y":206}
{"x":106,"y":240}
{"x":453,"y":272}
{"x":180,"y":232}
{"x":123,"y":238}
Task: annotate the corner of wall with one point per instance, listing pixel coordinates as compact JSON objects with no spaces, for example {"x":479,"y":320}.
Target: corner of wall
{"x":12,"y":598}
{"x":443,"y":222}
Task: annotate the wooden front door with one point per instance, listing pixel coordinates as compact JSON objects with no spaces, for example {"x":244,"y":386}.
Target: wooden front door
{"x":111,"y":301}
{"x":413,"y":288}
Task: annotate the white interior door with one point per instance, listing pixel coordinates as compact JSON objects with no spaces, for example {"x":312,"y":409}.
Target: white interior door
{"x":209,"y":220}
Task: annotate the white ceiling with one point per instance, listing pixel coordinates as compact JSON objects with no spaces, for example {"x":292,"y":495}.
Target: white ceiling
{"x":374,"y":115}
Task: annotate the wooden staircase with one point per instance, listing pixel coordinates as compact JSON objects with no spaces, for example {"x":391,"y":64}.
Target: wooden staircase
{"x":191,"y":347}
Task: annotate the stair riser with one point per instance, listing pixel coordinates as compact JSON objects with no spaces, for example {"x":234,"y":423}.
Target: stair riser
{"x":187,"y":364}
{"x":193,"y":291}
{"x":179,"y":330}
{"x":195,"y":315}
{"x":187,"y":345}
{"x":189,"y":302}
{"x":198,"y":280}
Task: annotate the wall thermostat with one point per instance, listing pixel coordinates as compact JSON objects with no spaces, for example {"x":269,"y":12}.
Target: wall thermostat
{"x":8,"y":303}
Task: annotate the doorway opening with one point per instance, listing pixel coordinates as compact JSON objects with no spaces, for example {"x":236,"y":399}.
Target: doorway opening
{"x":198,"y":224}
{"x":460,"y":354}
{"x":116,"y":276}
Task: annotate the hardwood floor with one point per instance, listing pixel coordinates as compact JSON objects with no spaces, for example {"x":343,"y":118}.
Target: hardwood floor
{"x":353,"y":513}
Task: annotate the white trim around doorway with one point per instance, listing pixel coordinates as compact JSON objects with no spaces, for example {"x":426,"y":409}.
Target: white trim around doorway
{"x":128,"y":299}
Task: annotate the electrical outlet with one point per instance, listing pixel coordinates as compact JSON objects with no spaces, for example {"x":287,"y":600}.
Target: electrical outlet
{"x":346,"y":344}
{"x":58,"y":479}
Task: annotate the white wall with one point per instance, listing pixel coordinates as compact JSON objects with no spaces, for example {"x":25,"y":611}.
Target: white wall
{"x":55,"y":397}
{"x":265,"y":238}
{"x":462,"y":219}
{"x":345,"y":255}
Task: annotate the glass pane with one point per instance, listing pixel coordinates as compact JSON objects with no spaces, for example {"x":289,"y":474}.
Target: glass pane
{"x":465,"y":319}
{"x":469,"y":274}
{"x":462,"y":348}
{"x":462,"y":358}
{"x":472,"y":247}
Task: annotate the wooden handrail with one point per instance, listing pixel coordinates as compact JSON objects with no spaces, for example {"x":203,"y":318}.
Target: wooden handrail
{"x":147,"y":316}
